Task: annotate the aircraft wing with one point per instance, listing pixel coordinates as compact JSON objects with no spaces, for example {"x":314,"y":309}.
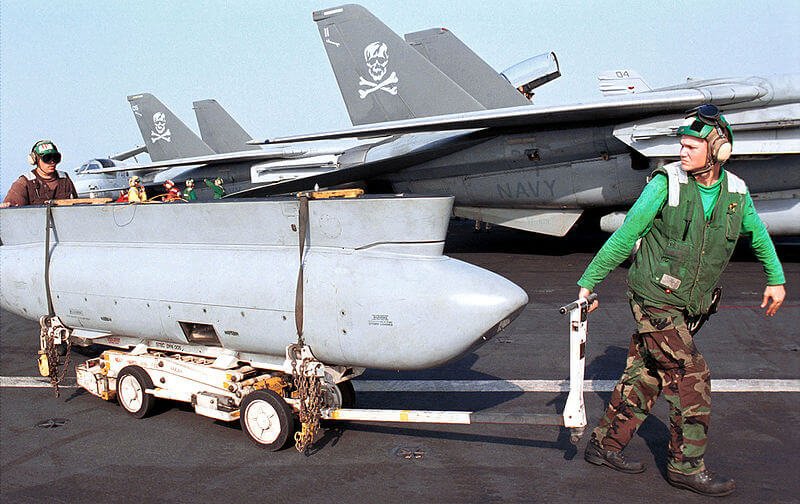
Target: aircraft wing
{"x":122,"y":156}
{"x":227,"y":158}
{"x":655,"y":137}
{"x":621,"y":108}
{"x":408,"y":151}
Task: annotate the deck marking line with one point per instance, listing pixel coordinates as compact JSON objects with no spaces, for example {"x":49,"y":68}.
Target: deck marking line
{"x":483,"y":386}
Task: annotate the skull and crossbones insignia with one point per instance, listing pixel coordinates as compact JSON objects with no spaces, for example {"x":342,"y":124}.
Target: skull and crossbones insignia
{"x":377,"y":58}
{"x":161,"y":132}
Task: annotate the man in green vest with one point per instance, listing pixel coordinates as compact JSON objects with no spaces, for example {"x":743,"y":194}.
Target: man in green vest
{"x":688,"y":218}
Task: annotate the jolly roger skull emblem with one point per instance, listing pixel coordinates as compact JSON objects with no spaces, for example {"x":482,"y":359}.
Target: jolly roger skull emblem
{"x":376,"y":57}
{"x":161,"y":132}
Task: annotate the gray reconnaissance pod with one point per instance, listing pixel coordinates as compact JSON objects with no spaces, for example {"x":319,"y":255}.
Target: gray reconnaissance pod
{"x":376,"y":291}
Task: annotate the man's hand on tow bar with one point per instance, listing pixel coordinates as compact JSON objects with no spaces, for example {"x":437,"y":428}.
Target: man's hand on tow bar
{"x":584,"y":293}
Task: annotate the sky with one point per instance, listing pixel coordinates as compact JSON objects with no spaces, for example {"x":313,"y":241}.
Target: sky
{"x":66,"y":68}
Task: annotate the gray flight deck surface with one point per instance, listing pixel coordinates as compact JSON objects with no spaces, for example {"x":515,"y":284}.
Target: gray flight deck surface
{"x":102,"y":454}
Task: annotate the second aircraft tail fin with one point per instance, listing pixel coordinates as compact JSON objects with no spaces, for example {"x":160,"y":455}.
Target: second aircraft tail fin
{"x":453,"y":57}
{"x":219,"y":130}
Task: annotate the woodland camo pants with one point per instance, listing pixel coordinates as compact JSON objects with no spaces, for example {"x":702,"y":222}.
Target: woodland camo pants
{"x":662,"y":357}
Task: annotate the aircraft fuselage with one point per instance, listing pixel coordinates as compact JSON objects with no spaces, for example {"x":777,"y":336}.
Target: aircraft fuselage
{"x":569,"y":168}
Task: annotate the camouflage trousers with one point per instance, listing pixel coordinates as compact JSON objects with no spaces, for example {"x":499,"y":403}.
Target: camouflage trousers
{"x":662,"y":357}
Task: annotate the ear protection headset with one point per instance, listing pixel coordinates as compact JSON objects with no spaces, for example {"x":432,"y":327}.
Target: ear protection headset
{"x":33,"y":158}
{"x":719,"y":147}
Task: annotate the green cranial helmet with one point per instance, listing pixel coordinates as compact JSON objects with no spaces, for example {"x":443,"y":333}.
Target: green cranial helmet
{"x":707,"y":123}
{"x":43,"y":147}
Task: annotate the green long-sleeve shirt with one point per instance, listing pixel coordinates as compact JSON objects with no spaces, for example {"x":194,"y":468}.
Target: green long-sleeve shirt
{"x":640,"y":217}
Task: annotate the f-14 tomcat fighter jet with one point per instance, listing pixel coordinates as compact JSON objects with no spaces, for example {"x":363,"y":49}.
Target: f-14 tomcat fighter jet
{"x":177,"y":153}
{"x":529,"y":167}
{"x":92,"y":183}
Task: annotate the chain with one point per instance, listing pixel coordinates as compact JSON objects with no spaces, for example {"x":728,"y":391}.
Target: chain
{"x":47,"y":336}
{"x":309,"y":391}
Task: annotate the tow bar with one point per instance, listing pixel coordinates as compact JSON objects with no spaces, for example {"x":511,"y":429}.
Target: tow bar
{"x":573,"y":418}
{"x":574,"y":411}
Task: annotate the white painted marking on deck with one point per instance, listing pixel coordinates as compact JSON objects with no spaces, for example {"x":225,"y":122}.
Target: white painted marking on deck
{"x":724,"y":385}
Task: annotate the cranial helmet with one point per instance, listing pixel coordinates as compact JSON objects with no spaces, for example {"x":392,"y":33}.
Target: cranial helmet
{"x":169,"y":184}
{"x":42,"y":148}
{"x":133,"y":181}
{"x":707,"y":123}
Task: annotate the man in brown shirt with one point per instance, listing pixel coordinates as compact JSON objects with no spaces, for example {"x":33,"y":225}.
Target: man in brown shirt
{"x":44,"y":182}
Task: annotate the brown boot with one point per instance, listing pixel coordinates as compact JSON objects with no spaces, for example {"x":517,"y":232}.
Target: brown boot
{"x":704,"y":482}
{"x":595,"y":454}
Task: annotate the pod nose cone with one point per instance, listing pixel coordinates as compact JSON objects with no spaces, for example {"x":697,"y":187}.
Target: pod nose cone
{"x":490,"y":311}
{"x":497,"y":298}
{"x":479,"y":305}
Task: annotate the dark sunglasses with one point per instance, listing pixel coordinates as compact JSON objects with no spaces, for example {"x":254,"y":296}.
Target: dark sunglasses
{"x":52,"y":158}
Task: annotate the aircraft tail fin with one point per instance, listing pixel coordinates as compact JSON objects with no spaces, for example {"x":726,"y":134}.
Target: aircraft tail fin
{"x":219,"y":130}
{"x":453,"y":57}
{"x":618,"y":82}
{"x":380,"y":76}
{"x":166,"y":136}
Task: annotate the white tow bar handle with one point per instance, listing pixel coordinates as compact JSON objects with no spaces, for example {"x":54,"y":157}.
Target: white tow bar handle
{"x":575,"y":304}
{"x":574,"y":411}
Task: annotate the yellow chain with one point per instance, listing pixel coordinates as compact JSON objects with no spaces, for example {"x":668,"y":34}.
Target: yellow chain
{"x":47,"y":335}
{"x":309,"y":393}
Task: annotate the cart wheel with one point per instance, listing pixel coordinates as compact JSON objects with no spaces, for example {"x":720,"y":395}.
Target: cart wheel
{"x":266,"y":419}
{"x":341,"y":395}
{"x":346,"y":394}
{"x":132,"y":382}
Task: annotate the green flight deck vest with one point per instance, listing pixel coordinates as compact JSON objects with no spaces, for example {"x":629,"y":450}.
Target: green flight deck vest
{"x":682,"y":255}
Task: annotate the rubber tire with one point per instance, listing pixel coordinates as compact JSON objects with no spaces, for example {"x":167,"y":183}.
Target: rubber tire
{"x":143,"y":382}
{"x":347,"y":393}
{"x":348,"y":397}
{"x":282,"y":414}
